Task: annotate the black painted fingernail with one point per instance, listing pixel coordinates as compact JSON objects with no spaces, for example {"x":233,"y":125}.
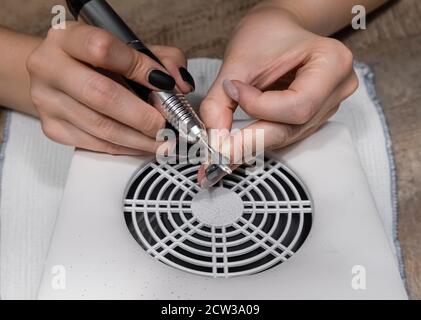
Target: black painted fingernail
{"x":187,"y":77}
{"x":161,"y":80}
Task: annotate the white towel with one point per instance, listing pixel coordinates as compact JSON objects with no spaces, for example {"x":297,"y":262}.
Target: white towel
{"x":34,"y":172}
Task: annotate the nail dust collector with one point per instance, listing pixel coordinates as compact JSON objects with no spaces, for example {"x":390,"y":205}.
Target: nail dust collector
{"x":134,"y":229}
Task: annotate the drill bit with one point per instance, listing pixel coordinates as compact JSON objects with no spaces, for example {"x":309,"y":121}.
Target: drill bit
{"x":217,"y":169}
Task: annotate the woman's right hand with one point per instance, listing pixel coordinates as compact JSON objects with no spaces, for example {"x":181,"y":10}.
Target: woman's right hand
{"x":81,"y":107}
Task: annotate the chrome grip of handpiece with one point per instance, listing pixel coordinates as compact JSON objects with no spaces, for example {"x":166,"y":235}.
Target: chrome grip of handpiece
{"x":177,"y":110}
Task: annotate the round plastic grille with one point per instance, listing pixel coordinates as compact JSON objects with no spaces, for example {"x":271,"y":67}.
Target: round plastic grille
{"x":247,"y":224}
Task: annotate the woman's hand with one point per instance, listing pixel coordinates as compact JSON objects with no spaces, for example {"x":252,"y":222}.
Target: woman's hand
{"x":288,"y":78}
{"x":81,"y":107}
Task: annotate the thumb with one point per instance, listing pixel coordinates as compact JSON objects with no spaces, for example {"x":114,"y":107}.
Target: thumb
{"x":216,"y":110}
{"x":283,"y":106}
{"x":218,"y":107}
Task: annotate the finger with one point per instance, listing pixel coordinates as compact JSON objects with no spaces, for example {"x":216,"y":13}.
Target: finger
{"x":246,"y":144}
{"x":258,"y":137}
{"x":217,"y":108}
{"x":96,"y":124}
{"x":266,"y":135}
{"x":313,"y":85}
{"x":243,"y":145}
{"x":101,"y":49}
{"x":65,"y":133}
{"x":175,"y":63}
{"x":103,"y":95}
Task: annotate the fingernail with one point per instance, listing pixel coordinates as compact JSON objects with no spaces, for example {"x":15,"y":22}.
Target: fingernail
{"x":161,"y":80}
{"x":187,"y":77}
{"x":200,"y":174}
{"x":169,"y":147}
{"x":231,"y":90}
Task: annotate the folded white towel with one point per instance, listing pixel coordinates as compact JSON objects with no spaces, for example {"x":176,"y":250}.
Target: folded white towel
{"x":34,"y":172}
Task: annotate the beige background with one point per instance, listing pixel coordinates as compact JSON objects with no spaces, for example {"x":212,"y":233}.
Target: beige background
{"x":391,"y":45}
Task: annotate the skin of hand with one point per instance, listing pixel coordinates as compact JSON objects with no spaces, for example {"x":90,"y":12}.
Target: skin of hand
{"x":290,"y":79}
{"x":82,"y":107}
{"x":14,"y":78}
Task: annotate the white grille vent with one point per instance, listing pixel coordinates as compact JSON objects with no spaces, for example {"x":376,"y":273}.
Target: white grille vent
{"x":248,"y":224}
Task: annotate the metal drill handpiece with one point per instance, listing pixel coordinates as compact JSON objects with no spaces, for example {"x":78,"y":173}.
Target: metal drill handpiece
{"x":178,"y":111}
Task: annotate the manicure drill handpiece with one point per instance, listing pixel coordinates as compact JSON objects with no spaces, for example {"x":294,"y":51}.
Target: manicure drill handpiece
{"x":172,"y":105}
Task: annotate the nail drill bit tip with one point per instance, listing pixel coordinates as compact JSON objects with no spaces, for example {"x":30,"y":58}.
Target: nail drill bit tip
{"x":213,"y":174}
{"x":216,"y":170}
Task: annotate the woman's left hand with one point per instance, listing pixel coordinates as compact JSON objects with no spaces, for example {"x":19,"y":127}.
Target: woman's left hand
{"x":287,"y":77}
